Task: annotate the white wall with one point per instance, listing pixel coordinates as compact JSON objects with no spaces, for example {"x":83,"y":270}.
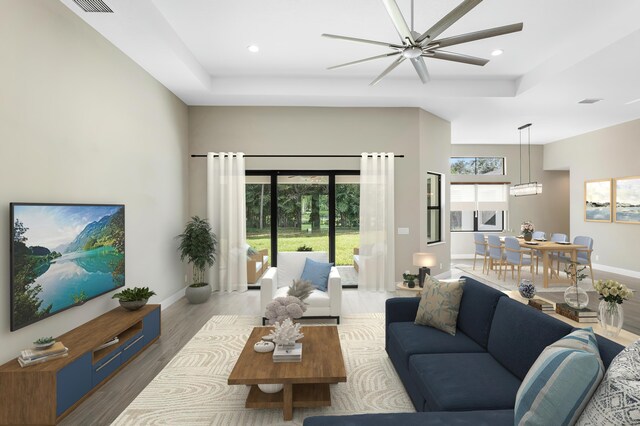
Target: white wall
{"x":602,"y":154}
{"x":81,"y":123}
{"x":423,"y":138}
{"x":548,"y":211}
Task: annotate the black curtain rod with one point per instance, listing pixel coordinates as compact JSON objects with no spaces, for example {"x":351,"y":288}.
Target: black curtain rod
{"x":294,"y":156}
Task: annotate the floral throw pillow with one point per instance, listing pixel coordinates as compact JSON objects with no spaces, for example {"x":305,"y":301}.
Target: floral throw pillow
{"x":440,"y":304}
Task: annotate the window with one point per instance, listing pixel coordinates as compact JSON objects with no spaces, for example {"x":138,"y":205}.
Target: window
{"x":477,"y":165}
{"x":434,"y":213}
{"x":477,"y":207}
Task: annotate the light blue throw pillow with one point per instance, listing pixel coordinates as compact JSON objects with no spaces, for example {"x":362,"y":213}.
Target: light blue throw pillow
{"x":561,"y":381}
{"x":317,"y":273}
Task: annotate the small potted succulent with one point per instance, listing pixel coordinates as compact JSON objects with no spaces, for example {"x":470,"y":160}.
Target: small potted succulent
{"x":198,"y":247}
{"x":44,"y":342}
{"x":134,"y":298}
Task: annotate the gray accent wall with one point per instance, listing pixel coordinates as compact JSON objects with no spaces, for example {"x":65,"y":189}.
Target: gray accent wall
{"x":549,"y":211}
{"x":423,"y":138}
{"x":82,"y":123}
{"x":607,"y":153}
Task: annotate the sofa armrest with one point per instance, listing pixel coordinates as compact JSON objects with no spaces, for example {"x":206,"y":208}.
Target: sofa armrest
{"x":401,"y":309}
{"x":334,"y":288}
{"x":268,"y":287}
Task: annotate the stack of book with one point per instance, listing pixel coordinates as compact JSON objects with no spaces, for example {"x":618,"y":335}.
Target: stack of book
{"x":36,"y":356}
{"x":541,"y":305}
{"x":578,"y":315}
{"x":288,"y":354}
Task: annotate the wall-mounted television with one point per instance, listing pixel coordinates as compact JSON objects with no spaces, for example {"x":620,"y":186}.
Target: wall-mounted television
{"x":63,"y":255}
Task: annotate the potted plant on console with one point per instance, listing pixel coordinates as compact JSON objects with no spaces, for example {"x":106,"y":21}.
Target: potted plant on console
{"x":198,"y":247}
{"x":134,"y":298}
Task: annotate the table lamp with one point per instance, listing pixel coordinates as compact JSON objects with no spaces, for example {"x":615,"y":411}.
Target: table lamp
{"x":424,"y":261}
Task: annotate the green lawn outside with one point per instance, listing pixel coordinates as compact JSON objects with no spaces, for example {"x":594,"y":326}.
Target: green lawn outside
{"x":290,"y":240}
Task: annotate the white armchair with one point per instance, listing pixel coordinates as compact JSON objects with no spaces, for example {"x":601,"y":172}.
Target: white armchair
{"x":276,"y":281}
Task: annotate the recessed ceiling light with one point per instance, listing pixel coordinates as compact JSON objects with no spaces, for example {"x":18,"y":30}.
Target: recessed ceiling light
{"x":253,"y":48}
{"x":497,"y":52}
{"x":633,"y":101}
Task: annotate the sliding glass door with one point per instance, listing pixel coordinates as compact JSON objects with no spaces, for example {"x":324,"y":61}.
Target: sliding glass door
{"x":305,"y":211}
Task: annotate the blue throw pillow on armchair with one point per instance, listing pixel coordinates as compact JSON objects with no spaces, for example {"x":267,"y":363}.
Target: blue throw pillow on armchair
{"x":317,"y":273}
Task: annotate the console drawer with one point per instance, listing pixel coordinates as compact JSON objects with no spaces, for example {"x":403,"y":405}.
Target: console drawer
{"x":106,"y":366}
{"x":132,"y":347}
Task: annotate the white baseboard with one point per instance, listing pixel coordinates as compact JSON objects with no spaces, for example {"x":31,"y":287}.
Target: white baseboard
{"x":619,"y":271}
{"x":461,"y":256}
{"x":172,"y":299}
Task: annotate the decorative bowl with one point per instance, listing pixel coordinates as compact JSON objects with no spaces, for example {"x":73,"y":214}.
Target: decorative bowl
{"x":133,"y":305}
{"x":263,"y":346}
{"x":43,"y":345}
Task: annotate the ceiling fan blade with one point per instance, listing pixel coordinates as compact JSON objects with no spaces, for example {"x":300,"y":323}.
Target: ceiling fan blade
{"x":362,"y":40}
{"x":450,"y":19}
{"x":477,"y":35}
{"x":398,"y":20}
{"x":421,"y":69}
{"x":364,"y":60}
{"x":455,"y":57}
{"x":388,"y":70}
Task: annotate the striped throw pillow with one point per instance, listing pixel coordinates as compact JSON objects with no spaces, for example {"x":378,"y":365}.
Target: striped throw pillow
{"x":561,"y":381}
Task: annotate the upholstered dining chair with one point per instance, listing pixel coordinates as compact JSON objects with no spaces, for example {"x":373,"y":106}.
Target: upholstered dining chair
{"x":516,"y":256}
{"x":556,"y":237}
{"x":583,"y":255}
{"x":539,"y":235}
{"x":481,"y":249}
{"x":496,"y":255}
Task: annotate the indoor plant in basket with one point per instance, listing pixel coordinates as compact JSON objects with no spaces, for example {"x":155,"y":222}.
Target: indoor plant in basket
{"x":134,"y":298}
{"x":198,"y":247}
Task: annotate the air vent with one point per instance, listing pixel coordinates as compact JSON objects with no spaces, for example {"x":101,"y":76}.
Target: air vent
{"x":93,"y":6}
{"x":590,"y":101}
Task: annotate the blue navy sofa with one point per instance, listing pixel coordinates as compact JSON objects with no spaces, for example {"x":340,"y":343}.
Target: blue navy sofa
{"x":471,"y":378}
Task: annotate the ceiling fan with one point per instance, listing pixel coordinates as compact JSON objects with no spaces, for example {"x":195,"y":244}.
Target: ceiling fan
{"x":415,"y":46}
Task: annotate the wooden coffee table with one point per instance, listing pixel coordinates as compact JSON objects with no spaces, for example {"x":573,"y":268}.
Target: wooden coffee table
{"x":306,"y":383}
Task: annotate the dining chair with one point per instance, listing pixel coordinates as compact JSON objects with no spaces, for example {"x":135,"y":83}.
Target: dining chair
{"x":495,"y":253}
{"x":556,"y":237}
{"x":539,"y":235}
{"x":583,"y":256}
{"x":515,"y":256}
{"x":481,"y":249}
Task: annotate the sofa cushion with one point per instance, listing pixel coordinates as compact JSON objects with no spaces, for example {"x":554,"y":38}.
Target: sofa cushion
{"x":560,"y":382}
{"x":317,"y":298}
{"x":519,"y":334}
{"x":463,"y":418}
{"x":440,"y":303}
{"x":617,"y":399}
{"x":477,"y":307}
{"x":317,"y":273}
{"x":411,"y":339}
{"x":463,"y":382}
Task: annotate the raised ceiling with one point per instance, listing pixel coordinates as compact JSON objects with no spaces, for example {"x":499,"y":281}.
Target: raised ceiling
{"x":569,"y":50}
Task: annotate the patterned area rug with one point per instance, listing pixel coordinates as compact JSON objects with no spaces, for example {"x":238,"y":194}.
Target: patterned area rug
{"x":192,"y":389}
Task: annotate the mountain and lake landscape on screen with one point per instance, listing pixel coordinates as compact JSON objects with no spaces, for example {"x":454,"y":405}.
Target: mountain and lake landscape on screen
{"x":63,"y":255}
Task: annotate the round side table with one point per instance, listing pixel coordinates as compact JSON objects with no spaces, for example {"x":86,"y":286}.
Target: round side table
{"x":401,"y":287}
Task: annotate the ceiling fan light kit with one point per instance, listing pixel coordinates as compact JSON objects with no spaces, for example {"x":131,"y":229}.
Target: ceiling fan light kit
{"x":528,"y":188}
{"x":415,"y":46}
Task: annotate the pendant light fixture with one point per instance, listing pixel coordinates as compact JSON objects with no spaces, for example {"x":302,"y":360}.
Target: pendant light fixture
{"x":529,"y":188}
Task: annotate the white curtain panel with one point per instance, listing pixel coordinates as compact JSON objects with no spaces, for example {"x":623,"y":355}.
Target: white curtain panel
{"x":226,"y":213}
{"x":377,"y":247}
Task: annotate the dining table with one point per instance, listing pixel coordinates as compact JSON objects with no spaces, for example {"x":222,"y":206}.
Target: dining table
{"x":546,"y":248}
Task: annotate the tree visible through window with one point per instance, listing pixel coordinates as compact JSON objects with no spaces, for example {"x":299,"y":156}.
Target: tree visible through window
{"x":477,"y":165}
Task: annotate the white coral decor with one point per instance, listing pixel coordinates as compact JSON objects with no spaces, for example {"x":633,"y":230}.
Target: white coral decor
{"x":286,"y":333}
{"x":282,"y":308}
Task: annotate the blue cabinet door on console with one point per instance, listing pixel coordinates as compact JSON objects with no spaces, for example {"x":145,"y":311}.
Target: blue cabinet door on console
{"x":151,"y":325}
{"x":73,"y":382}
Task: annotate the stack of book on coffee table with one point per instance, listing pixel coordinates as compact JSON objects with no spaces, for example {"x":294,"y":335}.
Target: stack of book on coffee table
{"x":292,"y":353}
{"x":584,"y":315}
{"x":36,"y":356}
{"x":541,"y":305}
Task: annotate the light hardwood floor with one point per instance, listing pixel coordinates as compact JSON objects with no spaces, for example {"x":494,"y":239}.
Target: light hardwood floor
{"x":180,"y":322}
